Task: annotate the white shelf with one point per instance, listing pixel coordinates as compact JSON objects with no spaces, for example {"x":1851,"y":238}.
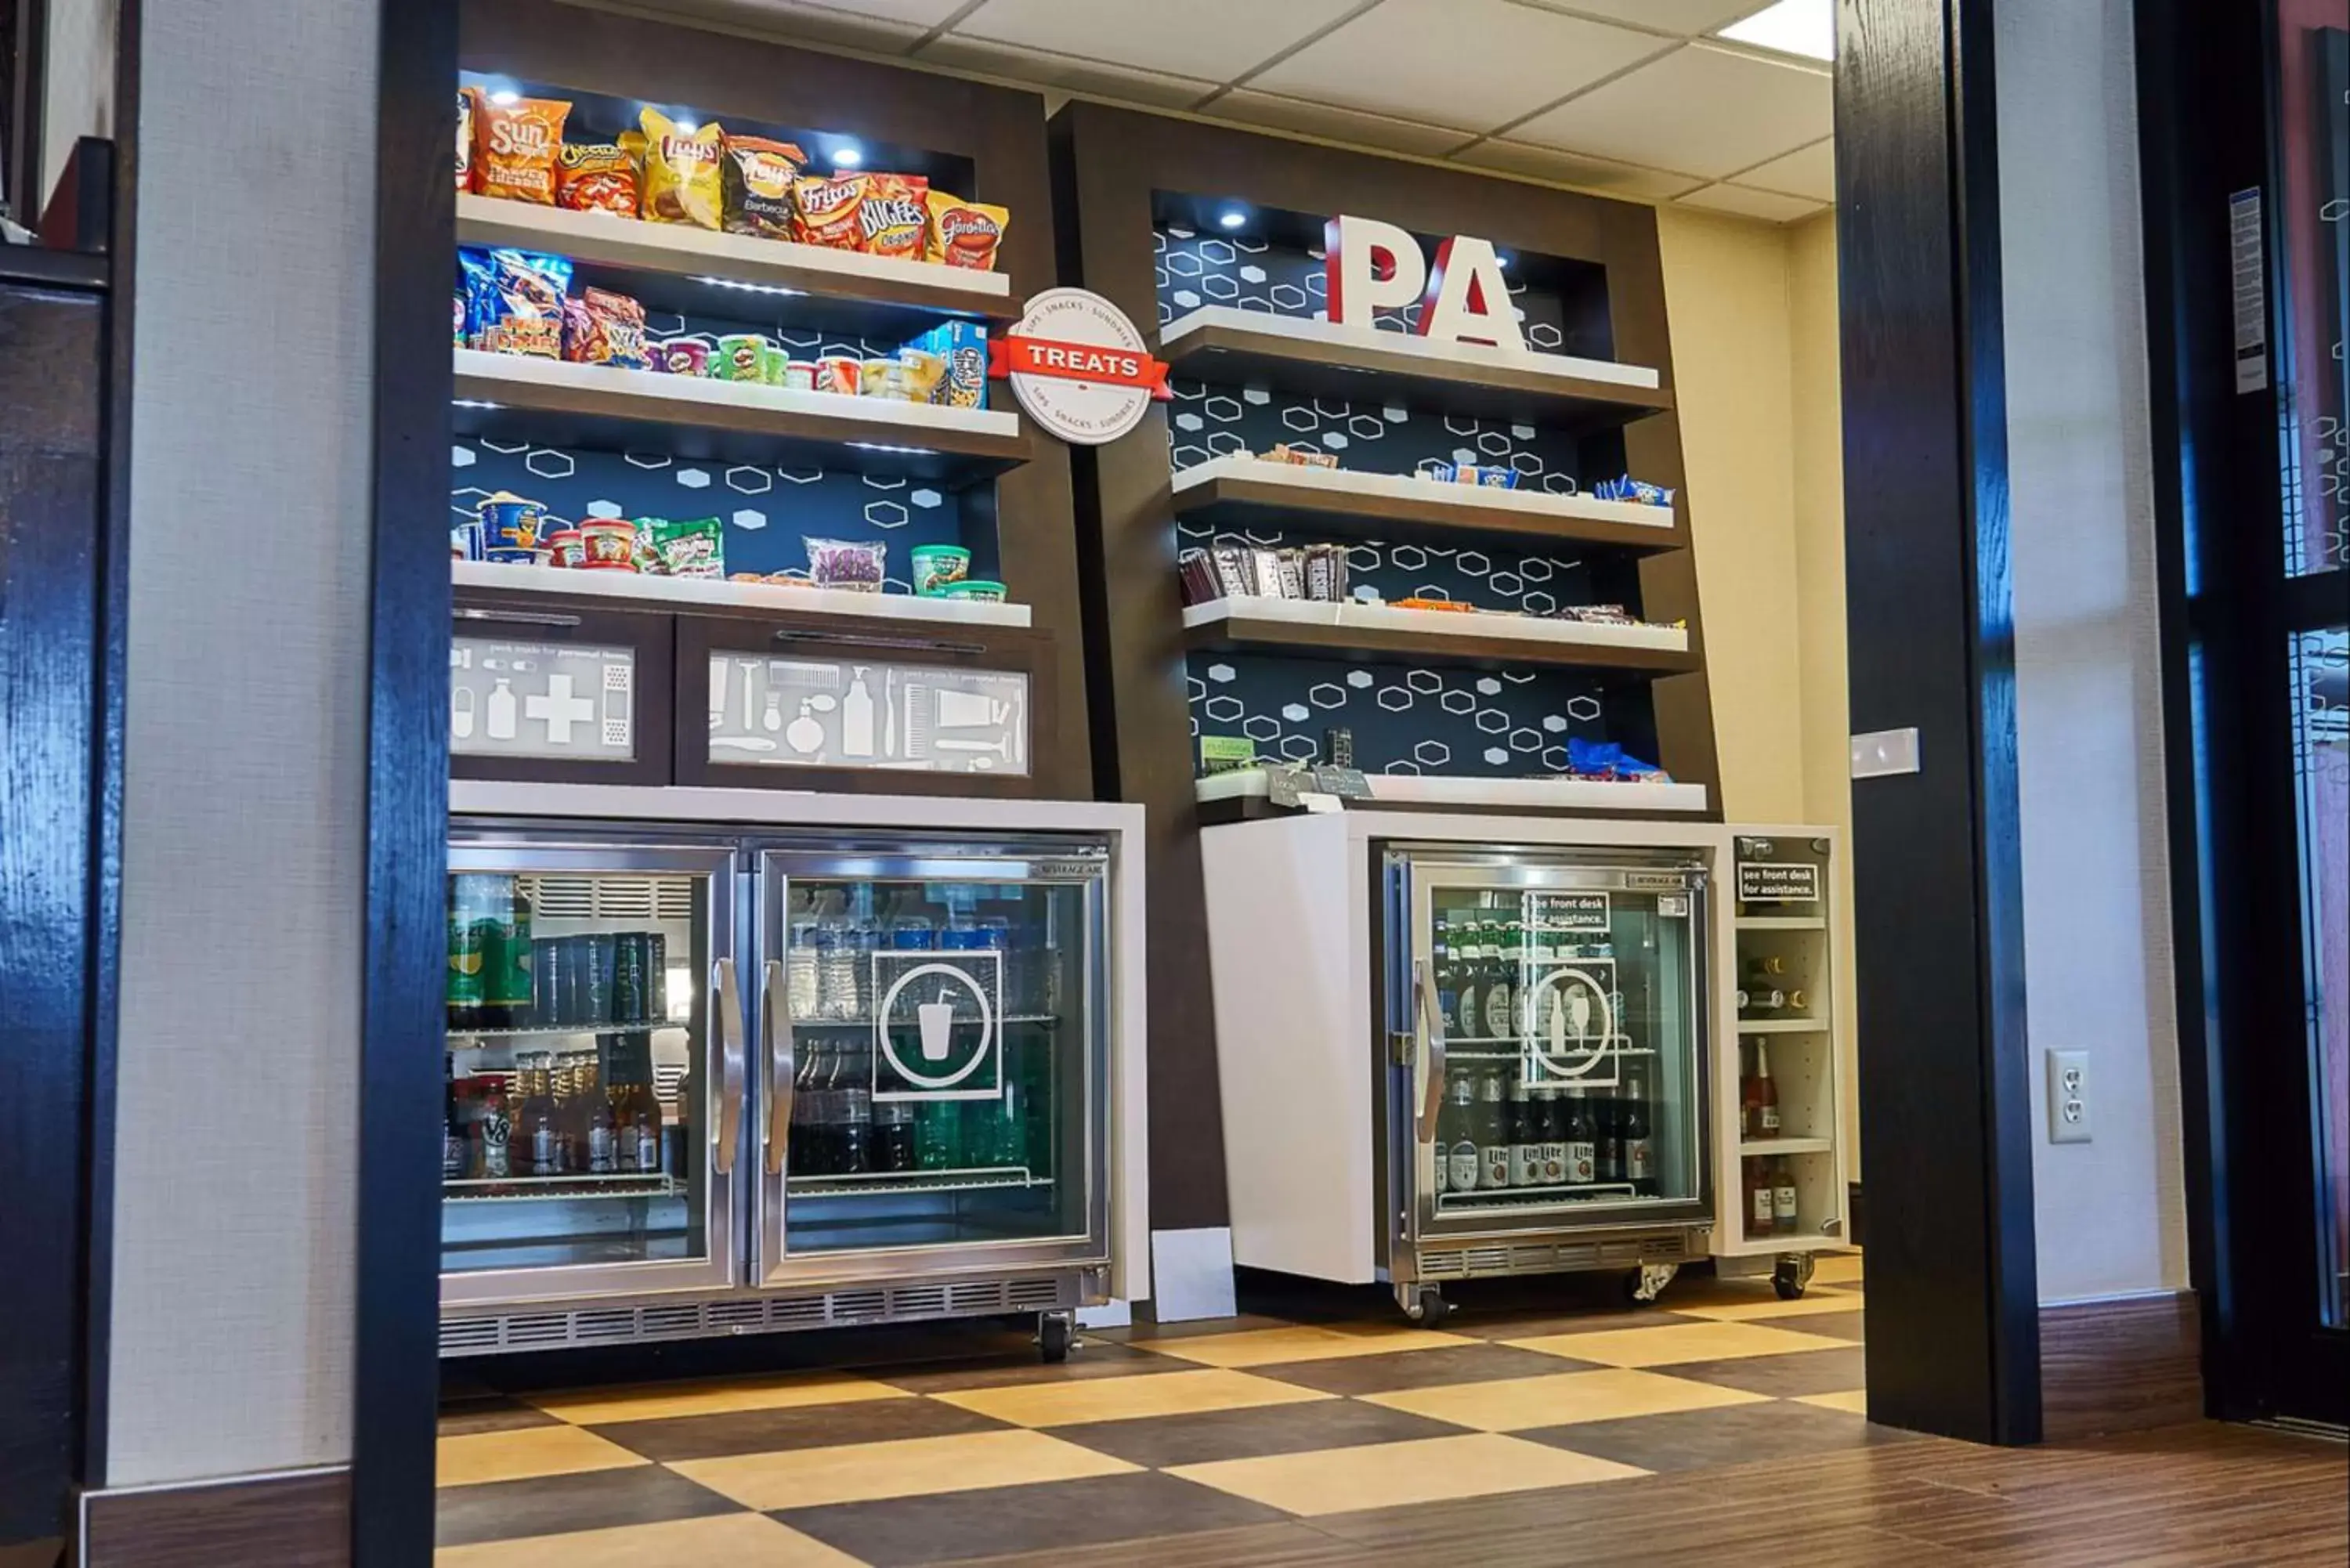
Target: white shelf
{"x":654,"y":394}
{"x":1772,"y":1246}
{"x":1781,"y":922}
{"x":639,"y":588}
{"x":1316,"y":486}
{"x":1178,"y":336}
{"x":618,"y":241}
{"x":1525,"y":794}
{"x":1763,"y":1147}
{"x":1537,"y":632}
{"x":1783,"y":1026}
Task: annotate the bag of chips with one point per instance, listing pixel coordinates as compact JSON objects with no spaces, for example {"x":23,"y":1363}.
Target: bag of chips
{"x":963,"y":233}
{"x":893,"y":219}
{"x":758,"y":186}
{"x":596,"y":177}
{"x":824,"y":212}
{"x":521,"y":306}
{"x":680,"y":181}
{"x":692,"y":549}
{"x":514,"y":147}
{"x":601,"y":328}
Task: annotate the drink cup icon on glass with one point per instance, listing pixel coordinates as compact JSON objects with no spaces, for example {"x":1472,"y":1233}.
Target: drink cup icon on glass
{"x":937,"y":1021}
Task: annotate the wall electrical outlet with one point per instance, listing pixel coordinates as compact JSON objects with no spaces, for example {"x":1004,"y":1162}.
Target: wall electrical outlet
{"x":2068,"y":1096}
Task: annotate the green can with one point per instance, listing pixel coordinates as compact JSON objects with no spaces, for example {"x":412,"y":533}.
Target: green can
{"x":468,"y":960}
{"x":507,"y":959}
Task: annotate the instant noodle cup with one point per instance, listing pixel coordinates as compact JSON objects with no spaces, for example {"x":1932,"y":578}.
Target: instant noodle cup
{"x":608,"y":544}
{"x":509,"y":522}
{"x":757,"y":175}
{"x":937,"y":565}
{"x":893,"y":220}
{"x":563,"y":548}
{"x":878,"y":378}
{"x":920,"y":371}
{"x":975,"y":589}
{"x":826,"y":212}
{"x":516,"y":145}
{"x":740,"y":357}
{"x":839,"y":373}
{"x":680,"y":181}
{"x":596,"y":177}
{"x":963,"y":233}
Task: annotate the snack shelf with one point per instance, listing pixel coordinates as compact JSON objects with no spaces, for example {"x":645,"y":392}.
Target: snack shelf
{"x":1008,"y":1019}
{"x":1783,"y":1026}
{"x":1766,"y":1147}
{"x":1479,"y":639}
{"x":553,"y":402}
{"x":1781,"y":922}
{"x":1224,"y":343}
{"x":555,"y":1188}
{"x":713,"y":593}
{"x":864,"y":1183}
{"x":1246,"y":493}
{"x":1513,"y":1196}
{"x":557,"y":1030}
{"x":671,"y":267}
{"x":1522,"y":794}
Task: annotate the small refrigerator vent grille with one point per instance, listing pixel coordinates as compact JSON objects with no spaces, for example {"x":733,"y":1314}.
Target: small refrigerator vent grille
{"x":610,"y":898}
{"x":670,"y":1322}
{"x":852,"y":1305}
{"x":1552,"y":1257}
{"x":1035,"y":1294}
{"x":797,"y":1311}
{"x":918,"y":1302}
{"x":603,"y":1326}
{"x":736,"y":1314}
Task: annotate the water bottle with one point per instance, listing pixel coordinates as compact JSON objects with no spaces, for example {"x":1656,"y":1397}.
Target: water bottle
{"x":802,"y":994}
{"x":938,"y":1135}
{"x":996,"y":936}
{"x":806,"y":1154}
{"x":853,"y":1105}
{"x":837,"y":971}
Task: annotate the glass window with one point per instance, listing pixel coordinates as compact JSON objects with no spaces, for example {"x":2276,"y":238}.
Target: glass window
{"x":574,"y":1110}
{"x":2314,"y":233}
{"x":2321,"y":694}
{"x":939,"y":1036}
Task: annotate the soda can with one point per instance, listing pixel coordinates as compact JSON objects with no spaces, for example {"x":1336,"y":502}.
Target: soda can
{"x":599,"y":953}
{"x":631,"y":978}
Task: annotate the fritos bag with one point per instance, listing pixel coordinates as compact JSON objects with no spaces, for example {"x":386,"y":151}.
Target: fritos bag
{"x":596,"y":177}
{"x":893,"y":219}
{"x":963,"y":233}
{"x":681,"y":181}
{"x":826,"y":212}
{"x":758,"y":186}
{"x":516,"y":145}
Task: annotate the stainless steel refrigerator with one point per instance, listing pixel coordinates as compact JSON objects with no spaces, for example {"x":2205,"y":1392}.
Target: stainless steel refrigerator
{"x":1450,"y":1049}
{"x":709,"y":1083}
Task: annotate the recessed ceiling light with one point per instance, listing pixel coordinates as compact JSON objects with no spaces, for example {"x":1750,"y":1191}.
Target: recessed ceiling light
{"x":1805,"y":28}
{"x":1232,"y":217}
{"x":848,"y":155}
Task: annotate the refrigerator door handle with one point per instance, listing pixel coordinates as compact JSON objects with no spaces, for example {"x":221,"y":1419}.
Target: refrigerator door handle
{"x":1431,"y":1020}
{"x":729,"y":1020}
{"x":776,"y":1017}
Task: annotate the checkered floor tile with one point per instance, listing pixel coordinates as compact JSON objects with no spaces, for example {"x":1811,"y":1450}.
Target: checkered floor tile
{"x":1252,"y":1421}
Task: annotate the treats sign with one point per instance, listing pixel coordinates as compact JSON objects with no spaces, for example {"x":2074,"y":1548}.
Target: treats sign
{"x":1079,"y":366}
{"x":1372,"y":265}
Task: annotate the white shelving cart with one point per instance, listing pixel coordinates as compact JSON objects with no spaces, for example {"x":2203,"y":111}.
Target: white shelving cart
{"x":1789,"y":949}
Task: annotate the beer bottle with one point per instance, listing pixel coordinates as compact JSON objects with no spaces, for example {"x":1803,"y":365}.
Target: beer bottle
{"x":1493,"y":1132}
{"x":496,"y":1131}
{"x":1552,"y":1110}
{"x":1447,"y":971}
{"x":1458,"y":1126}
{"x":1525,"y":1137}
{"x":1639,"y":1149}
{"x":1581,"y":1140}
{"x":1784,"y":1219}
{"x":542,"y":1140}
{"x":1468,"y":1018}
{"x":599,"y":1134}
{"x":452,"y":1127}
{"x":1760,"y":1207}
{"x":1610,"y":1148}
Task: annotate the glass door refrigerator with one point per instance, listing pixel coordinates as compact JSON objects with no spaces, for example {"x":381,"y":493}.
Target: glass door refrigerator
{"x":705,"y":1084}
{"x":1546,"y":1086}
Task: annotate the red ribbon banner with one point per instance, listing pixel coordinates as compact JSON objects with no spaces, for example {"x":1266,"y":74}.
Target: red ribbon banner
{"x":1078,"y":362}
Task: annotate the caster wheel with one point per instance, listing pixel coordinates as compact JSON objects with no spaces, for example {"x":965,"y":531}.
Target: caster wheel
{"x":1431,"y":1309}
{"x":1792,"y":1277}
{"x":1632,"y":1291}
{"x":1644,"y":1284}
{"x":1055,"y":1335}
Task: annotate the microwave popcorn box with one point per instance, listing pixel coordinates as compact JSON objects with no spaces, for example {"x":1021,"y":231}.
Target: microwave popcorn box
{"x":962,"y":344}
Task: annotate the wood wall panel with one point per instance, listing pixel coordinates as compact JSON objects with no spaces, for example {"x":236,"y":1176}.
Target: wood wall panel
{"x":301,"y":1519}
{"x":2120,"y":1366}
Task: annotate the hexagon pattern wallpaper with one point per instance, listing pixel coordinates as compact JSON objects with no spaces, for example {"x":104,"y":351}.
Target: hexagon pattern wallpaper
{"x":1402,"y":719}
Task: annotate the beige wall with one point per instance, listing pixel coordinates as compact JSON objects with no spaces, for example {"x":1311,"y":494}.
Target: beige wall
{"x":1755,"y":368}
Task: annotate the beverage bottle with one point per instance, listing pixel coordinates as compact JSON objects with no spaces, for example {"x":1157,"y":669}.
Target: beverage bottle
{"x":837,"y":970}
{"x":466,"y":990}
{"x":1765,"y":968}
{"x":1467,"y":1020}
{"x":1609,"y":1163}
{"x":1447,"y":974}
{"x":1760,"y":1207}
{"x":541,"y":1152}
{"x":802,"y":996}
{"x":599,"y":1135}
{"x":1639,"y":1147}
{"x":1525,"y":1137}
{"x":1456,"y":1126}
{"x":995,"y":936}
{"x":496,"y":1131}
{"x":821,"y":1139}
{"x":1581,"y":1140}
{"x":1784,"y":1219}
{"x":1761,"y":999}
{"x":1765,"y":1093}
{"x":452,"y":1127}
{"x":893,"y":1135}
{"x":1501,"y":981}
{"x":506,"y":1000}
{"x":852,"y":1104}
{"x":938,"y":1135}
{"x":1493,"y":1132}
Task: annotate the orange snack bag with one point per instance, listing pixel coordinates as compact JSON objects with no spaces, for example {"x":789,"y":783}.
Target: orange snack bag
{"x":827,"y":212}
{"x":516,"y":146}
{"x":596,"y":177}
{"x":963,"y":233}
{"x":680,"y":181}
{"x":893,"y":219}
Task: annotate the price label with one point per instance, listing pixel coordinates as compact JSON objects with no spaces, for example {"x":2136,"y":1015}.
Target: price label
{"x":1347,"y":783}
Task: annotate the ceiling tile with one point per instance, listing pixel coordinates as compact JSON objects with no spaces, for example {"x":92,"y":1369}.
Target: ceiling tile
{"x":1334,"y":124}
{"x":1704,"y":109}
{"x":1767,"y":205}
{"x":1625,"y":179}
{"x":1215,"y":39}
{"x":1064,"y":72}
{"x":1686,"y":18}
{"x":885,"y":25}
{"x":1477,"y":64}
{"x":1810,"y":171}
